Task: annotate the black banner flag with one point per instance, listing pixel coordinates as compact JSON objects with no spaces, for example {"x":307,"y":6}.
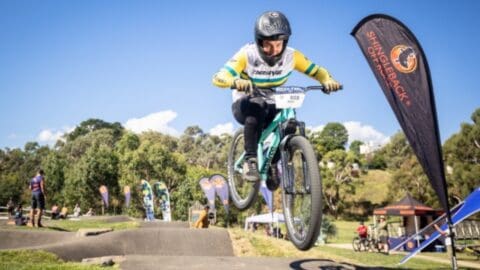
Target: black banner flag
{"x":400,"y":66}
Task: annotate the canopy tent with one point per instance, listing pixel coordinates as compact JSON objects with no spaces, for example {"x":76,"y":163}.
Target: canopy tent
{"x":410,"y":209}
{"x":407,"y":206}
{"x":265,"y":218}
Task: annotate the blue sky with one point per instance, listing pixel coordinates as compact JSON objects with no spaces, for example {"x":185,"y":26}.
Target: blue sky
{"x":148,"y":64}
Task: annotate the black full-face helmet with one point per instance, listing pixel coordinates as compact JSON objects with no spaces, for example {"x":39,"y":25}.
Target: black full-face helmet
{"x":272,"y":25}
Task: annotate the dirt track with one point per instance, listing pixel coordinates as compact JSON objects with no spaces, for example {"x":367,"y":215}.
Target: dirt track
{"x":169,"y":245}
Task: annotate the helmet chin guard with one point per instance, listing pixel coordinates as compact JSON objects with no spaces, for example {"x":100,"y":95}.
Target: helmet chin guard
{"x":272,"y":25}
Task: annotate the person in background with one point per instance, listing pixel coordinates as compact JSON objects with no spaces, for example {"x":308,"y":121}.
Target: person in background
{"x":362,"y":231}
{"x":202,"y":221}
{"x":10,"y":207}
{"x":90,"y":213}
{"x":55,"y":211}
{"x":20,"y":220}
{"x":63,"y":213}
{"x":37,"y":186}
{"x":77,"y":211}
{"x":383,"y":234}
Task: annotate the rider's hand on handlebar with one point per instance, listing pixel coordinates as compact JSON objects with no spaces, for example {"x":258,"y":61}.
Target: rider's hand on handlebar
{"x":242,"y":85}
{"x":331,"y":85}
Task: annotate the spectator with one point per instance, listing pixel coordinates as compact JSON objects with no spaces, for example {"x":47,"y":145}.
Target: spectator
{"x":10,"y":208}
{"x":37,"y":186}
{"x":202,"y":221}
{"x":90,"y":213}
{"x":383,"y":234}
{"x":63,"y":213}
{"x":55,"y":211}
{"x":20,"y":220}
{"x":77,"y":211}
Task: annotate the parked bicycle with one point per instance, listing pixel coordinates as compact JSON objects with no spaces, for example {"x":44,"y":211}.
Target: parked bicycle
{"x":298,"y":166}
{"x":369,"y":243}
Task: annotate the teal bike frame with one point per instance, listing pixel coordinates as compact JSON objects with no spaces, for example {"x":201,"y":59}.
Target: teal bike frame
{"x":268,"y":143}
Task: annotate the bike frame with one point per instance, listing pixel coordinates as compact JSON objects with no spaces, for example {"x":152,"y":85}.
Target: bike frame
{"x":272,"y":133}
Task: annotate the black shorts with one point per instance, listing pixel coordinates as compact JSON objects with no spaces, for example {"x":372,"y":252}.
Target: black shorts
{"x":38,"y":200}
{"x":383,"y":239}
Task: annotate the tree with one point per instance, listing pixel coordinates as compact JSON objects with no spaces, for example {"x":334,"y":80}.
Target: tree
{"x":410,"y":178}
{"x":54,"y":165}
{"x":396,"y":151}
{"x":93,"y":124}
{"x":462,"y":155}
{"x":355,"y":147}
{"x":98,"y":166}
{"x":337,"y":181}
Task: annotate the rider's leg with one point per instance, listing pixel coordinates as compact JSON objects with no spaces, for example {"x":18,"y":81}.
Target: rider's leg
{"x":251,"y":112}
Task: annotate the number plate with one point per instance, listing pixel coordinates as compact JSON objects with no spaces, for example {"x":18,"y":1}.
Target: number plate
{"x":288,"y":100}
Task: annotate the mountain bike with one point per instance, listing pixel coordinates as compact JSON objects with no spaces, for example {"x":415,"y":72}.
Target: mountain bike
{"x":365,"y":244}
{"x":360,"y":243}
{"x":298,"y":166}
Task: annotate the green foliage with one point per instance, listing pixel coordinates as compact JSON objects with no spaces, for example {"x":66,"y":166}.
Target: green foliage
{"x":377,"y":161}
{"x":462,"y":155}
{"x":334,"y":136}
{"x":53,"y":165}
{"x":329,"y":229}
{"x":10,"y":186}
{"x":91,"y":125}
{"x":188,"y":192}
{"x":355,"y":147}
{"x":410,"y":178}
{"x":397,"y":151}
{"x":337,"y":181}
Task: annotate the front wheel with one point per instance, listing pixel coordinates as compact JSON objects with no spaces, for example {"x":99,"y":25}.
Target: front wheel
{"x":302,"y":193}
{"x":242,"y":193}
{"x":357,"y":244}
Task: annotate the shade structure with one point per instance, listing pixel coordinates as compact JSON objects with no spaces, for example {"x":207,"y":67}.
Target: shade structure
{"x":408,"y":206}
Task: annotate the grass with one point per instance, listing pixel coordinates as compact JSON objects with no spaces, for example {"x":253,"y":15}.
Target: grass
{"x":464,"y":256}
{"x":74,"y":225}
{"x":374,"y":188}
{"x":33,"y":260}
{"x":345,"y":231}
{"x":257,"y":244}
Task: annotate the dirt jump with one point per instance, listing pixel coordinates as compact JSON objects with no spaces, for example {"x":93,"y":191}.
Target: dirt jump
{"x":170,"y":245}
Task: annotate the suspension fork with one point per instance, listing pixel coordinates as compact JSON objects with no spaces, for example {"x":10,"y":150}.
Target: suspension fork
{"x":288,"y":180}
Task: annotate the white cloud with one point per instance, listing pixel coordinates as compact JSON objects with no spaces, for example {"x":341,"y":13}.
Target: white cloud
{"x":317,"y":128}
{"x":360,"y":132}
{"x":365,"y":133}
{"x":50,"y":136}
{"x":158,"y":121}
{"x":222,"y":129}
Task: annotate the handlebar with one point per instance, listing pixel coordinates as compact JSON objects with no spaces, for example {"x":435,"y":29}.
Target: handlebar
{"x":266,"y":92}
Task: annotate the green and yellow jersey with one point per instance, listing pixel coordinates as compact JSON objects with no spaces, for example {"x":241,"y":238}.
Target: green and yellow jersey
{"x":247,"y":64}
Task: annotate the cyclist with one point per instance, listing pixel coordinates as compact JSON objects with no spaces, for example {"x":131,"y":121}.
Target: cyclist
{"x":266,"y":63}
{"x":362,"y":231}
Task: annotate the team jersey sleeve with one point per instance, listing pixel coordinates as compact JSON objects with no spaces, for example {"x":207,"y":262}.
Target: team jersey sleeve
{"x":304,"y":65}
{"x":231,"y":70}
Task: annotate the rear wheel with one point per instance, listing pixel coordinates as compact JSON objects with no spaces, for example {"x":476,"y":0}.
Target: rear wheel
{"x":356,"y":244}
{"x":302,"y":193}
{"x":242,"y":193}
